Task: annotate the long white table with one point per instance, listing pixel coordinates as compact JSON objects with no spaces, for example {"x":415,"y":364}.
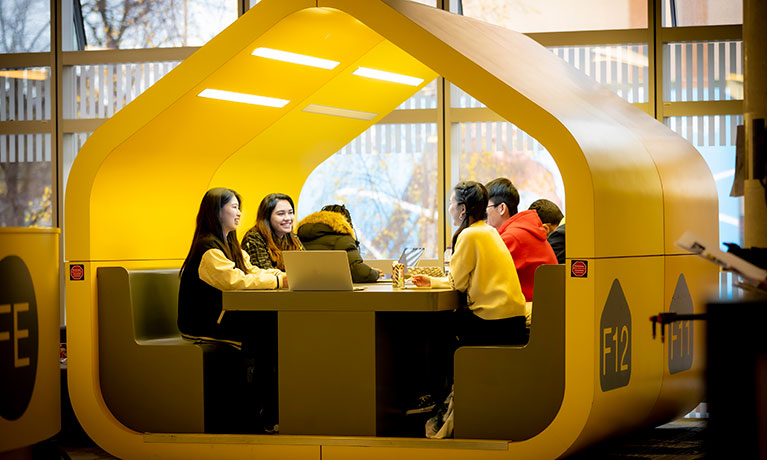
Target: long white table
{"x":346,"y":357}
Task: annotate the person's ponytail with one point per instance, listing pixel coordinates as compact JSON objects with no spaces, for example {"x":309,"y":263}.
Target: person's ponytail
{"x":473,"y":196}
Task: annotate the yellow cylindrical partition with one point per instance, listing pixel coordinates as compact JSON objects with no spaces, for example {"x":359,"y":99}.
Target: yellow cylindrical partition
{"x":30,"y":397}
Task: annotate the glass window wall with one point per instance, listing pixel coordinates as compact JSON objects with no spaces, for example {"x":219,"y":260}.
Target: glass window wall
{"x":714,"y":137}
{"x":25,"y":26}
{"x":128,"y":24}
{"x":387,"y":178}
{"x":622,"y":69}
{"x":682,"y":13}
{"x":100,"y":91}
{"x":703,"y":71}
{"x":486,"y":150}
{"x":529,"y":16}
{"x":25,"y":94}
{"x":26,"y":193}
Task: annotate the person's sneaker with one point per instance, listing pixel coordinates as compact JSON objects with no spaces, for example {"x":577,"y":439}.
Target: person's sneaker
{"x":425,"y":404}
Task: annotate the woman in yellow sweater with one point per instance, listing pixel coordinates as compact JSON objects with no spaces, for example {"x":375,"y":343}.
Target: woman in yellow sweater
{"x":482,"y":268}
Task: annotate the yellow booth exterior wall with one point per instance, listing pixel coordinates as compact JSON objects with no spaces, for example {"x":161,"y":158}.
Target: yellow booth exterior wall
{"x":632,"y":188}
{"x":37,"y":249}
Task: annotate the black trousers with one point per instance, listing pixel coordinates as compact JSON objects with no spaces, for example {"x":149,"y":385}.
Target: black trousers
{"x":258,"y":333}
{"x":463,"y":328}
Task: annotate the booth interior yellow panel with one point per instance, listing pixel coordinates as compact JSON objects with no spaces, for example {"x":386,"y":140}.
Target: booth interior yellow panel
{"x":160,"y":172}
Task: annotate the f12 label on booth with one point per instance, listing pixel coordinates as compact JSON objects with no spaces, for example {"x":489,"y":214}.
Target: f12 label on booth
{"x":615,"y":340}
{"x":18,"y":337}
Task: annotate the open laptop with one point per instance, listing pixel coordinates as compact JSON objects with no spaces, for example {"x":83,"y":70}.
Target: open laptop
{"x":409,"y":257}
{"x":318,"y":270}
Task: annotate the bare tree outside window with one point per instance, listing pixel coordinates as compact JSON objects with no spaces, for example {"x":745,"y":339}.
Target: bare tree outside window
{"x":25,"y":26}
{"x":25,"y":166}
{"x":130,"y":24}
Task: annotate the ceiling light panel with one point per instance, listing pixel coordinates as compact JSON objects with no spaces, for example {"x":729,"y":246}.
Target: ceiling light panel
{"x":339,"y":112}
{"x":387,"y":76}
{"x":243,"y":97}
{"x":294,"y":58}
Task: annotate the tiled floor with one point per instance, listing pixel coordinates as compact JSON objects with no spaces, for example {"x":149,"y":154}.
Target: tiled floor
{"x":678,"y":440}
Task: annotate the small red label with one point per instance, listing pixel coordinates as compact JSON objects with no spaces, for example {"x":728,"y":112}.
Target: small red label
{"x":76,"y":272}
{"x":579,"y":268}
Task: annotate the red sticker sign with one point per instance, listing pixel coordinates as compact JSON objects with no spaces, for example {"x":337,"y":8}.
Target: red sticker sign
{"x":579,"y":268}
{"x":76,"y":272}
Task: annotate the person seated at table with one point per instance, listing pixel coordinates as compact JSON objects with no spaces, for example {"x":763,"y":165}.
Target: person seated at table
{"x":331,"y":229}
{"x":273,"y":232}
{"x":522,"y":232}
{"x":482,"y":268}
{"x":216,"y":262}
{"x":554,"y":224}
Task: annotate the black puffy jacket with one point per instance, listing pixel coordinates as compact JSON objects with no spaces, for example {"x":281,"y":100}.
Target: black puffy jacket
{"x":326,"y":230}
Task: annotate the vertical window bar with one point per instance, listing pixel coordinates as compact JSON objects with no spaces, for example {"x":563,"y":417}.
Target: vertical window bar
{"x":47,"y":139}
{"x":38,"y":99}
{"x":12,"y":149}
{"x":734,"y":64}
{"x":81,"y":78}
{"x":29,"y":88}
{"x":602,"y":75}
{"x":121,"y":71}
{"x":21,"y":149}
{"x":689,"y":71}
{"x":110,"y":93}
{"x":722,"y":130}
{"x":11,"y":99}
{"x":679,"y":52}
{"x":700,"y":73}
{"x":102,"y":86}
{"x":711,"y":69}
{"x":91,"y":76}
{"x":728,"y":67}
{"x":624,"y":78}
{"x":39,"y":148}
{"x":613,"y":57}
{"x":3,"y":98}
{"x":721,"y":63}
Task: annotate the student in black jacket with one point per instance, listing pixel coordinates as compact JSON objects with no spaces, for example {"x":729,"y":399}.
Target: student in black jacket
{"x":216,"y":262}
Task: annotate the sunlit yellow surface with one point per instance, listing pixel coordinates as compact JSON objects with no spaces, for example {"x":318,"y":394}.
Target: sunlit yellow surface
{"x":632,"y":188}
{"x":38,"y":248}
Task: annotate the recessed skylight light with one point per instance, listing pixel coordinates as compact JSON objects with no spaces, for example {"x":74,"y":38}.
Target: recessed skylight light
{"x":242,"y":97}
{"x":339,"y":112}
{"x":294,"y":58}
{"x":387,"y":76}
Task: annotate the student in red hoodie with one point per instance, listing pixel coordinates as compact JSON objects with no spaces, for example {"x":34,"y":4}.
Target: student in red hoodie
{"x":522,"y":232}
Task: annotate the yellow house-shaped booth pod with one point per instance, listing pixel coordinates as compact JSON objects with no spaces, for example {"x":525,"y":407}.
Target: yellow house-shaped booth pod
{"x":632,"y":186}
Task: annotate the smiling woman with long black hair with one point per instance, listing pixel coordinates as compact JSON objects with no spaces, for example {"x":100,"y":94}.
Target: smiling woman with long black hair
{"x":216,"y":262}
{"x":273,"y":232}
